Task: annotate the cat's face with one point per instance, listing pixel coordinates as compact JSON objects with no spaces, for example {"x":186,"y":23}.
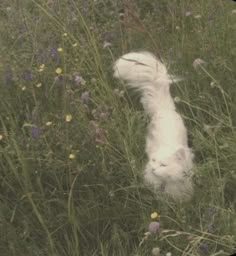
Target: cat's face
{"x":173,"y":167}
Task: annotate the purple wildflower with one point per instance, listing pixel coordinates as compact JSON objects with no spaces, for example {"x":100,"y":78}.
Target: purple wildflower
{"x":35,"y":132}
{"x":101,"y":113}
{"x":8,"y":76}
{"x":203,"y":247}
{"x":54,"y":55}
{"x":85,"y":97}
{"x":59,"y":79}
{"x":154,"y":227}
{"x":211,"y":228}
{"x":27,"y":75}
{"x":78,"y":79}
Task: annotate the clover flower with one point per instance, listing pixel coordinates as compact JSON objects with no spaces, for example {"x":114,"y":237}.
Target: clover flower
{"x":154,"y":227}
{"x":35,"y":132}
{"x":85,"y":97}
{"x":101,"y":113}
{"x":27,"y":75}
{"x":156,"y":251}
{"x":78,"y":79}
{"x":203,"y":247}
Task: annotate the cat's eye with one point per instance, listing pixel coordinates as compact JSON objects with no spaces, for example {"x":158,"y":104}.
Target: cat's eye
{"x":163,"y":165}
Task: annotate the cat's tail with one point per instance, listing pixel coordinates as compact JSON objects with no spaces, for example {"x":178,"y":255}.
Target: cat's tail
{"x":144,"y":72}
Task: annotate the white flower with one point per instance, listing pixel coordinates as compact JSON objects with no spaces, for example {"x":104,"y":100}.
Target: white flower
{"x":71,"y":156}
{"x":155,"y":251}
{"x":188,"y":13}
{"x":48,"y":123}
{"x":198,"y":16}
{"x":38,"y":85}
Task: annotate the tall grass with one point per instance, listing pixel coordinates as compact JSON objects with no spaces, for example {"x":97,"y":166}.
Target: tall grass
{"x":72,"y":139}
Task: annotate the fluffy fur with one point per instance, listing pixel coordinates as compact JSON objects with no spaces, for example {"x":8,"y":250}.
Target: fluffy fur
{"x":169,"y":157}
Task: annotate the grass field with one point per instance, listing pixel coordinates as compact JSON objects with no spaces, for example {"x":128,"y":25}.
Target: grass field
{"x":72,"y":139}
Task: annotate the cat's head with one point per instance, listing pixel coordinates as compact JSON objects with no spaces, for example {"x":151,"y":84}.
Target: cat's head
{"x":173,"y":167}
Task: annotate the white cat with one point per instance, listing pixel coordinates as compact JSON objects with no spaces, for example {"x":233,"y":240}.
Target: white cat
{"x":170,"y":160}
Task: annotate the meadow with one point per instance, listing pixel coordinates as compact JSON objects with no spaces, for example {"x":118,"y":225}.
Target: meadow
{"x":72,"y":137}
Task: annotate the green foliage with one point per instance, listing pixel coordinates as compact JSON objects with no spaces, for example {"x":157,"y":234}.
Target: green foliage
{"x":72,"y":140}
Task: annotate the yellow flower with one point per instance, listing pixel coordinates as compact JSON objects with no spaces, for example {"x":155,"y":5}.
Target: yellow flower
{"x":65,"y":34}
{"x":1,"y":136}
{"x":60,"y":49}
{"x":68,"y":117}
{"x":71,"y":156}
{"x":58,"y":71}
{"x":41,"y":67}
{"x":154,"y":215}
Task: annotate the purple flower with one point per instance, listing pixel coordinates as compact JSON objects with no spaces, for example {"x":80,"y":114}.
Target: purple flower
{"x":211,"y":228}
{"x":85,"y":97}
{"x":154,"y":227}
{"x":59,"y":79}
{"x":78,"y":79}
{"x":211,"y":211}
{"x":27,"y":75}
{"x":35,"y":132}
{"x":8,"y":76}
{"x":54,"y":55}
{"x":203,"y":247}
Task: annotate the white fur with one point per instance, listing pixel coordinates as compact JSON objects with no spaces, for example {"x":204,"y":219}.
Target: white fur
{"x":169,"y":157}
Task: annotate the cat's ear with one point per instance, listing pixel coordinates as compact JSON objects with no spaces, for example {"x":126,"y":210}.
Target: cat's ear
{"x":180,"y":154}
